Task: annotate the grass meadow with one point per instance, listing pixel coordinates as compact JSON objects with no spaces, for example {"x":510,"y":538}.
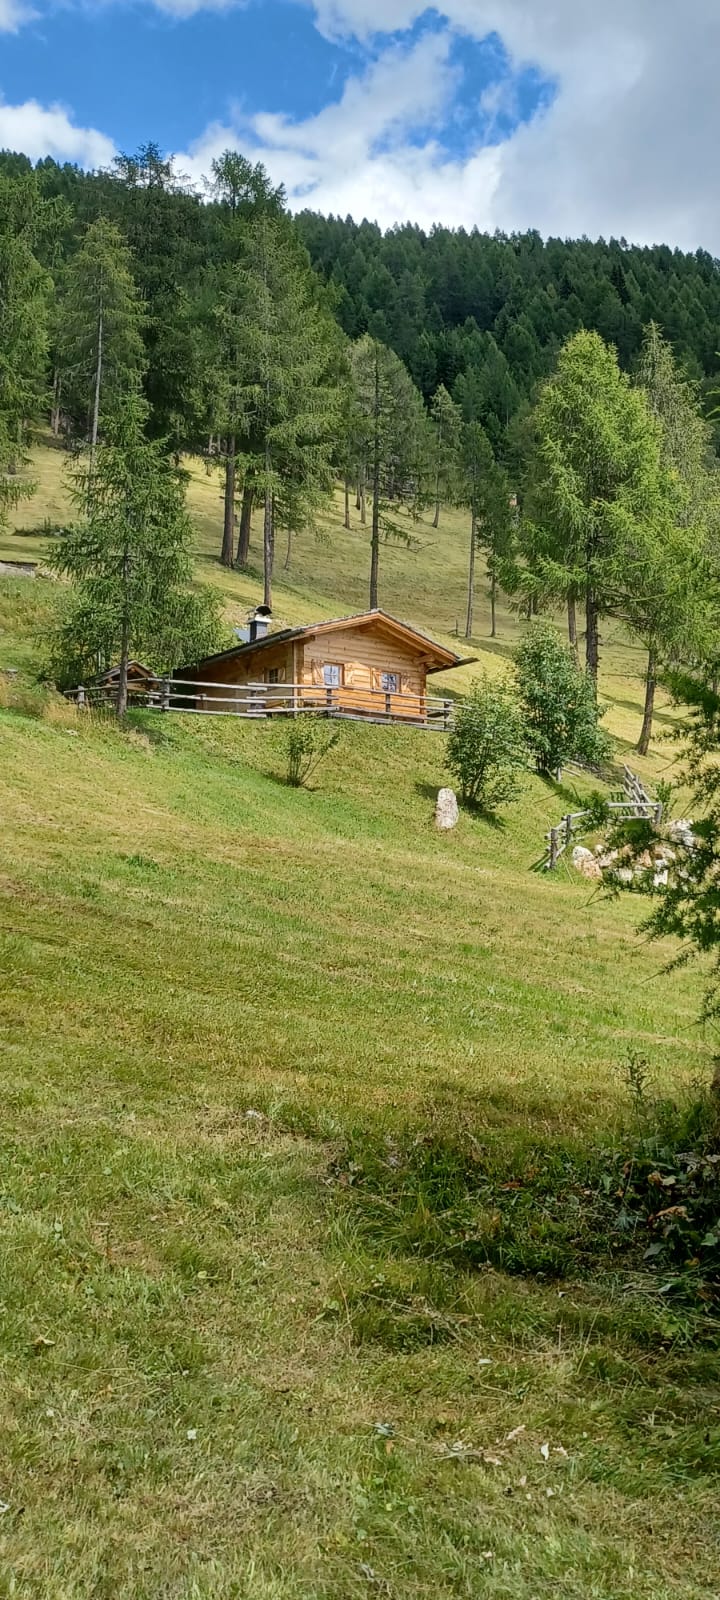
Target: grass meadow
{"x":221,"y":1378}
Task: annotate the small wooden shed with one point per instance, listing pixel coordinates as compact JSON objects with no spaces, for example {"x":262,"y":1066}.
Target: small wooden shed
{"x":370,"y":665}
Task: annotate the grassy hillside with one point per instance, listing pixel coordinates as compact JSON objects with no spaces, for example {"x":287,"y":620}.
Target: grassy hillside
{"x":222,"y":1376}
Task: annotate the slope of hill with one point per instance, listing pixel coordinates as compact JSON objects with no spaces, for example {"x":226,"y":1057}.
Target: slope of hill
{"x":223,"y":1377}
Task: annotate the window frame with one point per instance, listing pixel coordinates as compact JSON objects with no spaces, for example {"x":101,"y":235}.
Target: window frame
{"x":333,"y":666}
{"x":272,"y":675}
{"x":385,"y":687}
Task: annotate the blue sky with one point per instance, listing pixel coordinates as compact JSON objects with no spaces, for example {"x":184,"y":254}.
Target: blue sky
{"x":139,"y":73}
{"x":496,"y":113}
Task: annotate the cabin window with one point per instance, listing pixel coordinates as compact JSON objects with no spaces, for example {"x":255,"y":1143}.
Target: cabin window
{"x":272,"y":675}
{"x":390,"y":682}
{"x":332,"y":675}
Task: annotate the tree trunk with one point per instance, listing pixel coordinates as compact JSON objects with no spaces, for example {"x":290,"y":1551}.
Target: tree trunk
{"x":286,"y":562}
{"x":493,"y":597}
{"x":643,"y":744}
{"x":122,"y":689}
{"x":98,"y":381}
{"x":346,"y":522}
{"x":359,"y":493}
{"x":471,"y":580}
{"x":436,"y":518}
{"x":268,"y":547}
{"x":572,"y":619}
{"x":55,"y":408}
{"x":243,"y":548}
{"x":228,"y":544}
{"x":592,"y":643}
{"x":361,"y":498}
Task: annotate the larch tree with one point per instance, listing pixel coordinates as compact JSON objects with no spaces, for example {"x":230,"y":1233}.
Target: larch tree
{"x":25,"y":291}
{"x":485,"y":490}
{"x":243,"y":194}
{"x":99,"y":341}
{"x":289,"y":393}
{"x":597,"y":480}
{"x":446,"y":424}
{"x":671,"y":612}
{"x":129,"y":561}
{"x":392,"y":442}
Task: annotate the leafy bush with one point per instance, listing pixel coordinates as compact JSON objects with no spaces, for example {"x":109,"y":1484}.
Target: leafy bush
{"x":307,"y":740}
{"x":558,"y":701}
{"x":486,"y":748}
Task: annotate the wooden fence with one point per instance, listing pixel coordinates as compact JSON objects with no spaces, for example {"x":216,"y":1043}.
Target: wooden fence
{"x":635,"y":802}
{"x":260,"y":700}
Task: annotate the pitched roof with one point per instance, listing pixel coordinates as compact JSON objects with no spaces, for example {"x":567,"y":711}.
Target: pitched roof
{"x":442,"y":657}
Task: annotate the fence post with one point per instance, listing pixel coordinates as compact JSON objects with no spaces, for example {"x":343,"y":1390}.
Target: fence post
{"x":81,"y":701}
{"x":447,"y":708}
{"x":552,"y":853}
{"x":165,"y":695}
{"x":658,"y":814}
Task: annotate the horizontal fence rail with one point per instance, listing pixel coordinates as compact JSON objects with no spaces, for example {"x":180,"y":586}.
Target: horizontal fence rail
{"x":253,"y":700}
{"x":636,"y":802}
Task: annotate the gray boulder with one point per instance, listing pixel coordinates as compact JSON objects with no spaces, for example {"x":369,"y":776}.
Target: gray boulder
{"x":446,"y":810}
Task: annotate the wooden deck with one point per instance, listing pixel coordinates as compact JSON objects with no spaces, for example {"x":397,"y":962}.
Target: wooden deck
{"x":275,"y":700}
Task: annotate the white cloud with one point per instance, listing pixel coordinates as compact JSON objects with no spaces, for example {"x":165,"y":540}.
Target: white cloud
{"x":627,"y":145}
{"x":48,"y":131}
{"x":12,"y":14}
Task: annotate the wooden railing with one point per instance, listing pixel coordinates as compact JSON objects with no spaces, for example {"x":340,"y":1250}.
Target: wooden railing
{"x":636,"y":802}
{"x":252,"y":700}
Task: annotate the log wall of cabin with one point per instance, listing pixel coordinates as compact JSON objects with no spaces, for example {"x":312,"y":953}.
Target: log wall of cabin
{"x":364,"y":657}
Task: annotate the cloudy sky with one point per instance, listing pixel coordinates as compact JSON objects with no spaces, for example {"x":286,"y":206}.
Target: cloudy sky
{"x":571,"y":116}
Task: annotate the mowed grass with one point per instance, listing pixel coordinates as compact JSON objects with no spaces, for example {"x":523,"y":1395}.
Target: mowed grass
{"x":215,"y":1383}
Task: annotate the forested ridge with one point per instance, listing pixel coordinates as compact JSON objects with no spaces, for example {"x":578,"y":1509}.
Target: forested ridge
{"x":560,"y":393}
{"x":447,"y":302}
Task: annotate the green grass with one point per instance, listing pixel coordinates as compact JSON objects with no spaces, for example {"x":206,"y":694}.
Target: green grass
{"x":217,"y":1380}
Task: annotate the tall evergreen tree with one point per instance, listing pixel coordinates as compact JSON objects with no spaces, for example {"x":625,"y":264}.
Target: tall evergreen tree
{"x":24,"y":301}
{"x":446,"y":420}
{"x":288,"y":393}
{"x":129,"y":560}
{"x":671,"y":612}
{"x":392,"y":441}
{"x":100,"y":351}
{"x":598,"y":480}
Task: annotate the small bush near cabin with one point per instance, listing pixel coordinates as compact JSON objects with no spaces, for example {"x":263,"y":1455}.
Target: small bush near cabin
{"x":307,"y":740}
{"x":487,"y":747}
{"x":558,"y":701}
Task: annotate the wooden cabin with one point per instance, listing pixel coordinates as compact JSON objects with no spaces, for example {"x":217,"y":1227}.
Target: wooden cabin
{"x":369,"y":666}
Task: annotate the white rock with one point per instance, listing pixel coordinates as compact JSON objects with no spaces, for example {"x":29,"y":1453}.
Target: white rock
{"x":680,"y":831}
{"x":660,"y":879}
{"x":585,"y":863}
{"x":446,"y":810}
{"x":624,"y":875}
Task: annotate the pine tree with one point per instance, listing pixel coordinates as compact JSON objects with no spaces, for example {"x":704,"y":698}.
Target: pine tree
{"x":129,"y":560}
{"x":392,"y":442}
{"x":100,"y":351}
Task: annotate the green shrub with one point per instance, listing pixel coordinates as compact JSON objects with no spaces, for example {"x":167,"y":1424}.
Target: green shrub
{"x":487,"y":749}
{"x":307,"y":740}
{"x":558,"y":701}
